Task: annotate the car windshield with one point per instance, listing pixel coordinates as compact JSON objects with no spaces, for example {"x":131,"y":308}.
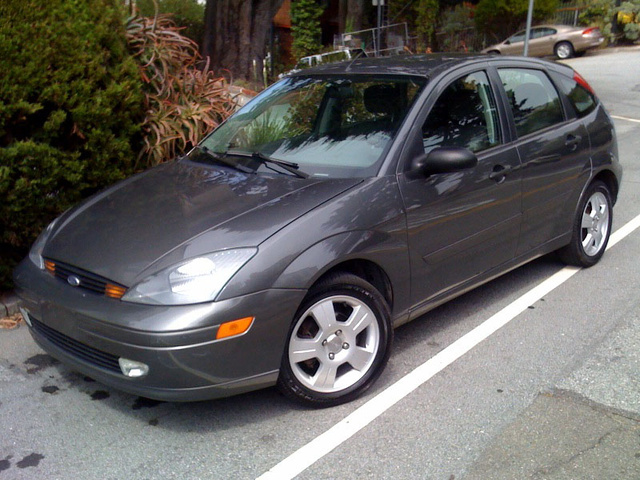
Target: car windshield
{"x":327,"y":127}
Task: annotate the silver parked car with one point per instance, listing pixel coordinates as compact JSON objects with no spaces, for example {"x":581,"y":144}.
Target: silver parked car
{"x":341,"y":202}
{"x":560,"y":40}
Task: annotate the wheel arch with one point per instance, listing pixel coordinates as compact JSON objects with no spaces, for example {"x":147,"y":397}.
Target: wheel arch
{"x":375,"y":257}
{"x":366,"y":270}
{"x":610,"y":180}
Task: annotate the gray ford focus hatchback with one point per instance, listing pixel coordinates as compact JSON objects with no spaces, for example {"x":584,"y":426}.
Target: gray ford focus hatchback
{"x":341,"y":202}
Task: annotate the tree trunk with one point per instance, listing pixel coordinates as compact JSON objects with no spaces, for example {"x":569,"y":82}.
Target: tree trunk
{"x":355,"y":11}
{"x":236,"y":33}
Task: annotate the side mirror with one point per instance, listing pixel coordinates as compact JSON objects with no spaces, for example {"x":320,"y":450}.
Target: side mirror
{"x":507,"y":42}
{"x":444,"y":160}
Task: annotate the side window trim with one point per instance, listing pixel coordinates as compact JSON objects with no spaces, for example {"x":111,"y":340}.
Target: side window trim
{"x":506,"y":118}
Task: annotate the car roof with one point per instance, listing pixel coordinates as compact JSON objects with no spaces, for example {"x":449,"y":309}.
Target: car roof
{"x":428,"y":65}
{"x":417,"y":65}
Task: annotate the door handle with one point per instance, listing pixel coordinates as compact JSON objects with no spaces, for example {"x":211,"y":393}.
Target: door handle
{"x":572,"y":141}
{"x":499,"y":173}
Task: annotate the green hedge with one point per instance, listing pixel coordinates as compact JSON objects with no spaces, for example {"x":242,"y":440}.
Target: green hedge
{"x":70,"y":112}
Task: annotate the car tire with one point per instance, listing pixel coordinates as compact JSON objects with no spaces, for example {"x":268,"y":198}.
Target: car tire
{"x":493,"y":52}
{"x":591,"y":227}
{"x":339,"y":342}
{"x":564,"y":50}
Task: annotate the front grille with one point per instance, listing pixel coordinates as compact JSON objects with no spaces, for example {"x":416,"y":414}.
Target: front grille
{"x":77,"y":349}
{"x":84,"y":279}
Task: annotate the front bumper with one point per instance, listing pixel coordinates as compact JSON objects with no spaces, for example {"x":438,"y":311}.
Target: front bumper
{"x":90,"y":332}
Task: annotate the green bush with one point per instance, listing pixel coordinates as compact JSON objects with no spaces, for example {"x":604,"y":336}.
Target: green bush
{"x":188,"y":15}
{"x":70,"y":112}
{"x":305,"y":27}
{"x":501,"y":18}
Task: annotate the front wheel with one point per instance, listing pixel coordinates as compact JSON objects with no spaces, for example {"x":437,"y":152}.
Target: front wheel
{"x":591,"y":227}
{"x":339,"y":342}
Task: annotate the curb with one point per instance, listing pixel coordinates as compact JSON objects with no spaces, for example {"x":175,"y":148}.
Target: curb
{"x":8,"y":304}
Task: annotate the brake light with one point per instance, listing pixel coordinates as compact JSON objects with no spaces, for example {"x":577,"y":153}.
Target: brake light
{"x":591,"y":32}
{"x":581,"y":81}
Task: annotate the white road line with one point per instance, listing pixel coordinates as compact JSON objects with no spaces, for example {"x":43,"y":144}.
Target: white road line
{"x":625,"y":118}
{"x":313,"y":451}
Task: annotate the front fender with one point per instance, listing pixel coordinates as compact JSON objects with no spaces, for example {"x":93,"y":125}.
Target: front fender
{"x":387,"y":250}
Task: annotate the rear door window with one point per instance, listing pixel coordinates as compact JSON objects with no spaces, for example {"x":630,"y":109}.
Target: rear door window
{"x":533,"y":99}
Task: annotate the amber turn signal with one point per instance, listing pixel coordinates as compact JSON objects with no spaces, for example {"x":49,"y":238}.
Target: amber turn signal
{"x":50,"y":266}
{"x":233,"y":328}
{"x":114,"y":291}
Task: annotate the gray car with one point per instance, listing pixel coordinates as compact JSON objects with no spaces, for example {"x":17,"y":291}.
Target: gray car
{"x":340,"y":203}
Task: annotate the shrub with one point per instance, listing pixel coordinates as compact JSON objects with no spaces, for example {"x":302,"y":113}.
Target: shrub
{"x":628,"y":15}
{"x":70,"y":111}
{"x":183,"y":103}
{"x":501,"y":18}
{"x":187,"y":14}
{"x":305,"y":27}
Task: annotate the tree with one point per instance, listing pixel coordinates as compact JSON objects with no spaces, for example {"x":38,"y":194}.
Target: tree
{"x":501,"y":18}
{"x":186,"y":13}
{"x":305,"y":27}
{"x":426,"y":14}
{"x":355,"y":14}
{"x":236,"y":34}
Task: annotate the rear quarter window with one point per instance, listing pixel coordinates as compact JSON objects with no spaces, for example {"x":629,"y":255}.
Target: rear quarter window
{"x":582,"y":100}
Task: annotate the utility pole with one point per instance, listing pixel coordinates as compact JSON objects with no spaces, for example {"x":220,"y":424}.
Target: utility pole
{"x":379,"y":4}
{"x":528,"y":30}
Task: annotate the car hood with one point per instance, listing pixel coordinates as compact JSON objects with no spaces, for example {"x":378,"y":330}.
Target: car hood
{"x":178,"y":211}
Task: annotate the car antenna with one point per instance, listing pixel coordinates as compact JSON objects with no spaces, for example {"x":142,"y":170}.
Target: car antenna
{"x":359,"y":54}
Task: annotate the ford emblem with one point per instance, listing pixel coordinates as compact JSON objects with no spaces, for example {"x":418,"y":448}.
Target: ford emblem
{"x":73,"y":280}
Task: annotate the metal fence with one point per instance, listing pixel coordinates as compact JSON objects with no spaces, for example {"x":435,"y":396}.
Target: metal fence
{"x":393,"y":39}
{"x":568,"y":16}
{"x":469,"y":40}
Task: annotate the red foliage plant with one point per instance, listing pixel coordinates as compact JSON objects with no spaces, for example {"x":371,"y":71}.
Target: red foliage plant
{"x":183,"y":102}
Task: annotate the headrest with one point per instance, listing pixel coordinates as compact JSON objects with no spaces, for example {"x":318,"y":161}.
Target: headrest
{"x":530,"y":95}
{"x":382,"y":99}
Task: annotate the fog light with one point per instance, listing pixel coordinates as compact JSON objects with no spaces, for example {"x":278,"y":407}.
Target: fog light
{"x":133,"y":369}
{"x":26,"y":317}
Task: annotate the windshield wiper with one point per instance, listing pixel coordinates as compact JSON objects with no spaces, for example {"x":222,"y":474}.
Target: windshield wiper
{"x":221,"y":158}
{"x":290,"y":167}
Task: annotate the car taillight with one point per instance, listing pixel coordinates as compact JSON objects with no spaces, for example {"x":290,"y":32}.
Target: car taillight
{"x":591,"y":32}
{"x":581,"y":81}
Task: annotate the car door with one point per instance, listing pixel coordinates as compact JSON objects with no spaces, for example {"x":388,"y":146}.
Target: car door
{"x":542,"y":41}
{"x":554,"y":150}
{"x":460,"y":224}
{"x":514,"y":45}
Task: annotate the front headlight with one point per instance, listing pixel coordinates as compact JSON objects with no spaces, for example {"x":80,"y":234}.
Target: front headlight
{"x":196,"y":280}
{"x":35,"y":254}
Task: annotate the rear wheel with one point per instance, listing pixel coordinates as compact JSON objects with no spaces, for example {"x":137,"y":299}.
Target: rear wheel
{"x":339,"y":342}
{"x":564,"y":50}
{"x":591,"y":227}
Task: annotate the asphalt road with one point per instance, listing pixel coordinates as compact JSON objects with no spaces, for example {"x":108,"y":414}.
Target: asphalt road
{"x":554,"y":393}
